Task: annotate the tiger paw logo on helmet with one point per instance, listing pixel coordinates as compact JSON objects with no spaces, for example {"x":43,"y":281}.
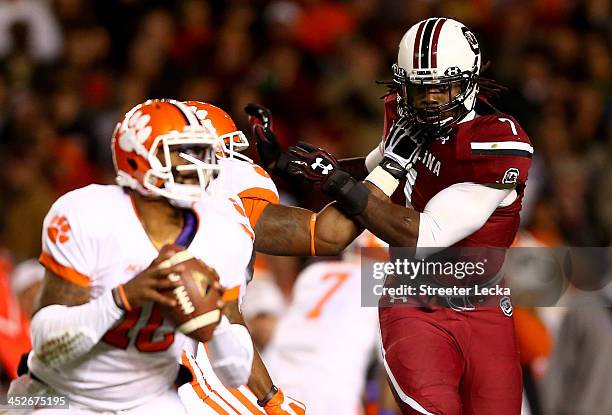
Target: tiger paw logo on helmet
{"x":58,"y":229}
{"x":138,"y":131}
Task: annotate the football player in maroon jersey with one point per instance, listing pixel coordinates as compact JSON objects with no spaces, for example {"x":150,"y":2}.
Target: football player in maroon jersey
{"x":465,"y":167}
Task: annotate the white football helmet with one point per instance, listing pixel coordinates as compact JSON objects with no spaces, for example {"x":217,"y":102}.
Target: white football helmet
{"x":438,"y":51}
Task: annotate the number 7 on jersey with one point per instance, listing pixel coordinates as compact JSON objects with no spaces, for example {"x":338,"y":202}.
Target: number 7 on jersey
{"x":340,"y":278}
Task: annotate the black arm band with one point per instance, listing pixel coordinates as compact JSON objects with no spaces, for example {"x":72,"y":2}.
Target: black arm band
{"x":264,"y":401}
{"x":351,"y":195}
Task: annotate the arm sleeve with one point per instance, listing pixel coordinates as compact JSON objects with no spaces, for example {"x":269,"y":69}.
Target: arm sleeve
{"x":61,"y":334}
{"x":457,"y":212}
{"x":374,"y":158}
{"x":231,"y":353}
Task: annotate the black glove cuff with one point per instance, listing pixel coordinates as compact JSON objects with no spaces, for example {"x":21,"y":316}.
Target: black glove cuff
{"x":351,"y":195}
{"x":393,"y":168}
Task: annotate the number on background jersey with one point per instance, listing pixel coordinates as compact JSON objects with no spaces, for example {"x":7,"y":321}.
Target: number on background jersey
{"x":512,"y":126}
{"x":120,"y":336}
{"x":340,"y":278}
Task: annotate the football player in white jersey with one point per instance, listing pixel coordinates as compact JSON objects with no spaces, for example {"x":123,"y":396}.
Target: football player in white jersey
{"x":98,"y":334}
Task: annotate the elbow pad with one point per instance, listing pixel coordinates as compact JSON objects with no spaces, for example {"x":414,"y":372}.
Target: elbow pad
{"x":231,"y":353}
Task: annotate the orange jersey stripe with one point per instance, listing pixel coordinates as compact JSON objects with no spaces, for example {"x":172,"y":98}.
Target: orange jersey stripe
{"x":245,"y":401}
{"x":259,"y":193}
{"x":254,"y":208}
{"x":199,"y":391}
{"x":63,"y":271}
{"x":255,"y":201}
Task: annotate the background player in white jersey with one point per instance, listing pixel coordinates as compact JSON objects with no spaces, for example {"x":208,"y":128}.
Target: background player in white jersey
{"x":323,"y":343}
{"x":99,"y":335}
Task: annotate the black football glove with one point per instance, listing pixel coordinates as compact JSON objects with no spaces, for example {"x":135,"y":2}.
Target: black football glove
{"x":402,"y":147}
{"x":316,"y":166}
{"x":308,"y":163}
{"x":268,"y":149}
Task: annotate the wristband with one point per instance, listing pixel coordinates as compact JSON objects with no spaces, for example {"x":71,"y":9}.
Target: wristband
{"x":382,"y":179}
{"x":264,"y":401}
{"x":394,"y":168}
{"x":313,"y":222}
{"x":120,"y":298}
{"x":351,"y":195}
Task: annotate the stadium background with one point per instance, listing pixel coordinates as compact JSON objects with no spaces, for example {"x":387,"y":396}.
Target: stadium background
{"x":70,"y":68}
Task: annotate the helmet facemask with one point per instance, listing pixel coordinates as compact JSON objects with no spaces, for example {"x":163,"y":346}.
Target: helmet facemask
{"x":182,"y":166}
{"x":232,"y":145}
{"x":436,"y":120}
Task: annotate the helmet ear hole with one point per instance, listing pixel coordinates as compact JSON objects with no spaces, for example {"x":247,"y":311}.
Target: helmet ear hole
{"x":132,"y":163}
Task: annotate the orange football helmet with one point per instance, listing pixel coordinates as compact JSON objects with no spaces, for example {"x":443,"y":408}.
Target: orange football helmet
{"x":232,"y":141}
{"x":143,"y":143}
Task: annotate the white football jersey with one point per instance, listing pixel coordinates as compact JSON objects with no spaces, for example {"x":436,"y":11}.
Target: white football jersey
{"x":93,"y":237}
{"x":321,"y":348}
{"x":206,"y":394}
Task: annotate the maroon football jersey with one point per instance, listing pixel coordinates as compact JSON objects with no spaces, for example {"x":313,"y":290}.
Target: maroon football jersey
{"x":490,"y":149}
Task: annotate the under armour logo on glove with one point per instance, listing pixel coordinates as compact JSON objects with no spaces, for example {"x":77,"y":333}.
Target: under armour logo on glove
{"x":318,"y":164}
{"x":309,"y":163}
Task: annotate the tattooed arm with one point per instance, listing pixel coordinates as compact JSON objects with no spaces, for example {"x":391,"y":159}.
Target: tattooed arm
{"x":285,"y":230}
{"x":56,"y":290}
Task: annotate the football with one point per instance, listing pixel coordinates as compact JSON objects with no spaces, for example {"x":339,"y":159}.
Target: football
{"x":196,"y":313}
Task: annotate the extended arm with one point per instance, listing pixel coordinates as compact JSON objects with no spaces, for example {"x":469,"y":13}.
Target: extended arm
{"x":453,"y":214}
{"x":285,"y":230}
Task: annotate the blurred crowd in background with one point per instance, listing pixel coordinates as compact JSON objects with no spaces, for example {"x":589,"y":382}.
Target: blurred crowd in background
{"x":71,"y":68}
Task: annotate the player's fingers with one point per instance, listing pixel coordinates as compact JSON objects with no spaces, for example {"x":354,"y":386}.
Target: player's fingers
{"x":160,"y":298}
{"x":216,"y":286}
{"x":166,"y":284}
{"x":164,"y":272}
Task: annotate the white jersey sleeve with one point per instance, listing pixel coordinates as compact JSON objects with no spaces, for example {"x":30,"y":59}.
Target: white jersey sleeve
{"x":374,"y":158}
{"x":458,"y":211}
{"x":70,"y":238}
{"x":251,"y":184}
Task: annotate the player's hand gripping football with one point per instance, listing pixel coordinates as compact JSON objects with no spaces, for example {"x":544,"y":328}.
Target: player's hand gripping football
{"x":153,"y":284}
{"x":402,"y":147}
{"x":282,"y":404}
